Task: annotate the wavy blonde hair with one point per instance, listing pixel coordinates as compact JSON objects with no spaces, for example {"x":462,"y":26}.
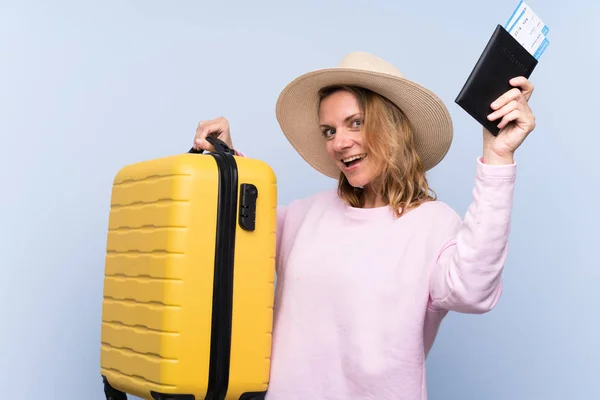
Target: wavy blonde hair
{"x":390,"y":141}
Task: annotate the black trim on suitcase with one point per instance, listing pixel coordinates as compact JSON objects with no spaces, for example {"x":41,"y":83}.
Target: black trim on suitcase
{"x":220,"y":348}
{"x":162,"y":396}
{"x":227,"y":213}
{"x":253,"y":396}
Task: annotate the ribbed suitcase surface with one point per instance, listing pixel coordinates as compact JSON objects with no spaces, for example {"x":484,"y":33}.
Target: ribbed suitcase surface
{"x":168,"y":222}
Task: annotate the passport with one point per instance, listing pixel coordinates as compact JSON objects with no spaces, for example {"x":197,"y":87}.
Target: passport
{"x":512,"y":50}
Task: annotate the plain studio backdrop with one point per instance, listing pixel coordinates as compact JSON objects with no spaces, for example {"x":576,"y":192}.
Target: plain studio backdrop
{"x":88,"y":87}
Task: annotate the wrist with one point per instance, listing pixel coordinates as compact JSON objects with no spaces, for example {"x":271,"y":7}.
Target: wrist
{"x":492,"y":158}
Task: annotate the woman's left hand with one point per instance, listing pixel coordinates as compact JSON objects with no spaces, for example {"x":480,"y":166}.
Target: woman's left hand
{"x":516,"y":123}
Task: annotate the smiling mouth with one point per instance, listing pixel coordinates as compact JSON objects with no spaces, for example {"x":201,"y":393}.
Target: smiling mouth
{"x":350,"y":161}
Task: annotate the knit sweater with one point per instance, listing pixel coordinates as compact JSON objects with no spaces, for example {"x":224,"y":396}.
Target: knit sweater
{"x":360,"y":295}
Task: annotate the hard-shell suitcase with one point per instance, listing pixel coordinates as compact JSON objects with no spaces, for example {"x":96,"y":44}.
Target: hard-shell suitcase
{"x":189,"y":278}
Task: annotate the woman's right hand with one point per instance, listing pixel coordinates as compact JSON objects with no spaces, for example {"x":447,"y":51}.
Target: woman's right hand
{"x":218,"y":127}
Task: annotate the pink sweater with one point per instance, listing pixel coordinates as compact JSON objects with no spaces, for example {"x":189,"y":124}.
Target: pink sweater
{"x":360,"y":296}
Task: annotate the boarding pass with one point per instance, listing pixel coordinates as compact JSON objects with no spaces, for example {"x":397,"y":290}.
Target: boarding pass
{"x":528,"y":29}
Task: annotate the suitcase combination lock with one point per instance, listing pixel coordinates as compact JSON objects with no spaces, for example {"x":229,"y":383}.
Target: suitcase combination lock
{"x":248,"y":196}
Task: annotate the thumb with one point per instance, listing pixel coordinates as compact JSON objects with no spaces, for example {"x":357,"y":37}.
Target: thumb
{"x":203,"y":144}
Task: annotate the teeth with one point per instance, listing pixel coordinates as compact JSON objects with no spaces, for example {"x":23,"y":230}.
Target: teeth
{"x":347,"y":160}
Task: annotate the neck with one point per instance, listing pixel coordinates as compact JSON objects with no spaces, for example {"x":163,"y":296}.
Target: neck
{"x":372,"y":200}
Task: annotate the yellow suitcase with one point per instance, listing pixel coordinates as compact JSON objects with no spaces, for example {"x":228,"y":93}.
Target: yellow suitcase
{"x":189,"y":278}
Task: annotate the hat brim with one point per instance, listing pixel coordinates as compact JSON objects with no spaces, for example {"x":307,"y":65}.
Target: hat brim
{"x":296,"y":112}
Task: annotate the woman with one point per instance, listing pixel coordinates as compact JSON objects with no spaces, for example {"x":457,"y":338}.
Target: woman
{"x":367,"y":272}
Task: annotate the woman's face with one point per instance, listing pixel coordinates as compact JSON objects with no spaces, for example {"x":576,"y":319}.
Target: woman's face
{"x":341,"y":123}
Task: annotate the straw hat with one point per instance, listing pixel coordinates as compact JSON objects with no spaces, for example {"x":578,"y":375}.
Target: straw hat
{"x":296,"y":109}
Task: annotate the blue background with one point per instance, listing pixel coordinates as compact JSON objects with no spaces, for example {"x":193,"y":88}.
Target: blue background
{"x":87,"y":87}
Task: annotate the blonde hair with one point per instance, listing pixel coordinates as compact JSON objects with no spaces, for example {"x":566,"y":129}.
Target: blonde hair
{"x":390,"y":142}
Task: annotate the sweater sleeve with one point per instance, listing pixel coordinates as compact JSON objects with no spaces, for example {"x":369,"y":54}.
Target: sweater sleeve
{"x":468,"y":270}
{"x":281,"y":213}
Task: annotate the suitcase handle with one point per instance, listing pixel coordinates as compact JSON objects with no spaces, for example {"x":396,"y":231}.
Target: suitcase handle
{"x":220,"y":146}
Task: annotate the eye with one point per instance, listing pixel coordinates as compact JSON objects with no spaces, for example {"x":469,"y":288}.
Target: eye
{"x":328,"y":132}
{"x":357,"y":123}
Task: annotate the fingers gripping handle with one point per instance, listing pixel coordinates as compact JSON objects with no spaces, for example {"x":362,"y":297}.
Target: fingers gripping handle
{"x":219,"y":145}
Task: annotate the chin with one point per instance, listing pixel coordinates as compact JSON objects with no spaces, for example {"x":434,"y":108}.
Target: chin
{"x":357,"y":181}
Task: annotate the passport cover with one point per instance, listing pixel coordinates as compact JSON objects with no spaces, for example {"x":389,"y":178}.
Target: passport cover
{"x":502,"y":59}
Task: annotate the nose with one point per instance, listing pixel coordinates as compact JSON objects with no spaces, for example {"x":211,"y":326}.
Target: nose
{"x":341,"y":141}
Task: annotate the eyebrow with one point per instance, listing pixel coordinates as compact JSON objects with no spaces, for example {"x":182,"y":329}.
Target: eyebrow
{"x":345,"y":119}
